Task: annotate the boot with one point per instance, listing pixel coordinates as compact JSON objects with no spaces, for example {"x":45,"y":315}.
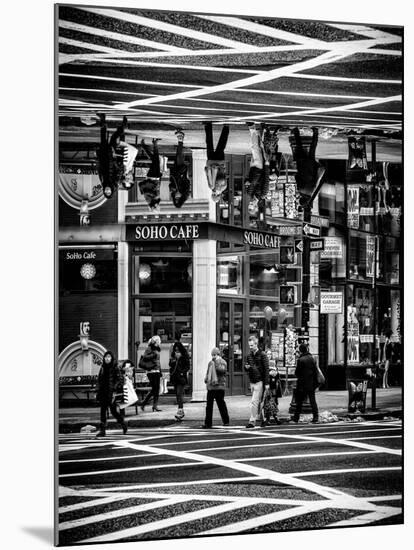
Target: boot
{"x":180,"y":414}
{"x":102,"y":431}
{"x":124,"y":427}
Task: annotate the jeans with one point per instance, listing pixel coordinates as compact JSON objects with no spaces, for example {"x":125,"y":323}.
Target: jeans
{"x":218,"y":152}
{"x":257,"y":155}
{"x":179,"y":392}
{"x":257,"y":392}
{"x":155,"y":169}
{"x":154,"y":380}
{"x":217,"y":395}
{"x":300,"y":397}
{"x":117,"y":413}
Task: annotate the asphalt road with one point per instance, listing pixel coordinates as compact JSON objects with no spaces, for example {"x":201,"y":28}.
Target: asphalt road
{"x":176,"y":481}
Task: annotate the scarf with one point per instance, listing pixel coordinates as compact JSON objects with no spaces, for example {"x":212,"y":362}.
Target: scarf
{"x":212,"y":374}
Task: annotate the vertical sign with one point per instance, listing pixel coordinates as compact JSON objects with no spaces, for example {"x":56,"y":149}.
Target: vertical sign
{"x":353,"y":206}
{"x":353,"y":336}
{"x":370,"y":256}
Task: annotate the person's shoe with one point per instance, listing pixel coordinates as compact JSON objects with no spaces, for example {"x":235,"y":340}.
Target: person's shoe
{"x":278,"y":422}
{"x":315,"y":420}
{"x":124,"y":426}
{"x":264,"y":423}
{"x":142,"y":407}
{"x":101,"y":433}
{"x":250,"y":124}
{"x":204,"y":427}
{"x":156,"y":409}
{"x":226,"y":423}
{"x":250,"y":425}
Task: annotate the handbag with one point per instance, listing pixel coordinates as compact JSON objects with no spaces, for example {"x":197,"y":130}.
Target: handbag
{"x":279,"y":389}
{"x":129,"y":395}
{"x":319,"y":376}
{"x":163,"y":386}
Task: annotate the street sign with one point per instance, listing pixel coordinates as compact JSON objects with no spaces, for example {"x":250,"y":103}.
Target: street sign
{"x":289,"y":230}
{"x":317,"y":244}
{"x":298,"y":245}
{"x":313,"y":230}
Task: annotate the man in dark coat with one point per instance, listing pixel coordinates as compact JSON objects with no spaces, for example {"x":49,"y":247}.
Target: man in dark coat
{"x":306,"y":373}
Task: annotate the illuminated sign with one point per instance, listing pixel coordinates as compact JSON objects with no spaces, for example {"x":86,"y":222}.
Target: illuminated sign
{"x":264,"y":240}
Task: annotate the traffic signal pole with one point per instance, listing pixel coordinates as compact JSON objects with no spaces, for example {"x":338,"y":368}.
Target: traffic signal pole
{"x":307,"y":213}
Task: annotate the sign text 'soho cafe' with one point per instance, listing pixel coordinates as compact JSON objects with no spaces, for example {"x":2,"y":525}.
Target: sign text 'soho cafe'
{"x":170,"y":232}
{"x":265,"y":240}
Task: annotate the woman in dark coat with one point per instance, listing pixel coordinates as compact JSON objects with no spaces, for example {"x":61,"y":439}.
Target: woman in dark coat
{"x":110,"y":382}
{"x":150,"y":362}
{"x":179,"y":366}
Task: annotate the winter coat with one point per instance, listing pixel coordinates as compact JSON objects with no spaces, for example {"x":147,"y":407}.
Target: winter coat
{"x":259,"y":367}
{"x":150,"y":188}
{"x":306,"y":373}
{"x":178,"y":370}
{"x":150,"y":360}
{"x":274,"y":382}
{"x":110,"y":381}
{"x":221,"y":370}
{"x":179,"y":182}
{"x":259,"y":182}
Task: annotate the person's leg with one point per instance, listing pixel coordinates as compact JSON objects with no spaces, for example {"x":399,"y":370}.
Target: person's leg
{"x":314,"y":405}
{"x":222,"y":142}
{"x":299,"y":400}
{"x":208,"y":127}
{"x":179,"y":392}
{"x":208,"y":421}
{"x":119,"y":415}
{"x":257,"y":156}
{"x":257,"y":390}
{"x":300,"y":152}
{"x":156,"y":390}
{"x":222,"y":407}
{"x":179,"y":156}
{"x":103,"y":416}
{"x":314,"y":143}
{"x":151,"y":392}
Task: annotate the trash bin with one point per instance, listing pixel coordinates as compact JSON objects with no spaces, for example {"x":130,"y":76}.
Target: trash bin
{"x":357,"y":395}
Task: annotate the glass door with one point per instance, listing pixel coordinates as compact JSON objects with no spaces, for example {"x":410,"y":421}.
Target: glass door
{"x":231,"y":340}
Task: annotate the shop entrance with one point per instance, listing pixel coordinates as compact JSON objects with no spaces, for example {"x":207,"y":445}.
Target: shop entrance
{"x":231,"y":338}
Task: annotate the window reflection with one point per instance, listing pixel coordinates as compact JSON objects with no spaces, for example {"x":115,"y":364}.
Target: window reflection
{"x":163,"y":274}
{"x":229,"y":275}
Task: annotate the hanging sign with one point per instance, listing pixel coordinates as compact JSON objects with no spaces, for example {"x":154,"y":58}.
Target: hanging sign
{"x":353,"y":206}
{"x":331,"y":302}
{"x":333,"y":248}
{"x":370,"y":256}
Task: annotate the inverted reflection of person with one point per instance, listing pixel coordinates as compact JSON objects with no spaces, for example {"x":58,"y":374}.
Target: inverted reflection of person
{"x":309,"y":170}
{"x":110,"y":168}
{"x":270,"y":145}
{"x":257,"y":183}
{"x":215,"y":168}
{"x":179,"y":183}
{"x":150,"y":186}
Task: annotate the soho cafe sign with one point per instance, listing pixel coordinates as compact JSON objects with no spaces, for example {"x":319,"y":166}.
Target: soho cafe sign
{"x":264,"y":240}
{"x":167,"y":232}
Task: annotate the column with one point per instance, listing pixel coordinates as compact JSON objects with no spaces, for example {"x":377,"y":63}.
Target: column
{"x":204,"y":312}
{"x":123,"y":300}
{"x":201,"y":190}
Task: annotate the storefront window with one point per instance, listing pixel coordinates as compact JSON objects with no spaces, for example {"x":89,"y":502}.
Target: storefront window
{"x":391,"y":259}
{"x":87,"y":276}
{"x":162,"y":274}
{"x":360,"y":326}
{"x":332,"y":202}
{"x":363,"y":249}
{"x":264,"y":274}
{"x":229,"y":275}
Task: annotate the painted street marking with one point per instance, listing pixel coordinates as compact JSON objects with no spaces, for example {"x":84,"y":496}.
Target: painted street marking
{"x":105,"y":459}
{"x":88,"y":45}
{"x":307,"y":455}
{"x":168,"y":27}
{"x":183,"y":483}
{"x":169,"y":522}
{"x":366,"y":31}
{"x":345,"y":78}
{"x":134,"y":469}
{"x":128,"y":39}
{"x":96,"y":502}
{"x":277,"y":477}
{"x":114,"y":514}
{"x":377,"y":515}
{"x":346,"y":471}
{"x":266,"y":519}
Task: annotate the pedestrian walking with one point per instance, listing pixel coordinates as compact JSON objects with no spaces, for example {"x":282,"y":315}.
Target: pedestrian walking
{"x":150,"y":186}
{"x":110,"y":167}
{"x":386,"y":359}
{"x":307,"y":381}
{"x":257,"y":366}
{"x":150,"y":361}
{"x":257,"y":182}
{"x":271,"y":401}
{"x":179,"y":367}
{"x":179,"y":183}
{"x":215,"y":168}
{"x":215,"y":381}
{"x":110,"y":383}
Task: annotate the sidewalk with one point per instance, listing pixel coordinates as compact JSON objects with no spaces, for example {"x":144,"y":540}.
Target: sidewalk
{"x":72,"y":419}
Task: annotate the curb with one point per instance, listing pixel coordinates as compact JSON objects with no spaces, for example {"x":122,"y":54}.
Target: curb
{"x":65,"y":428}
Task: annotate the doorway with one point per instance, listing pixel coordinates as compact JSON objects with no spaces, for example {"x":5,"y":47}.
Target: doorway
{"x":231,"y":338}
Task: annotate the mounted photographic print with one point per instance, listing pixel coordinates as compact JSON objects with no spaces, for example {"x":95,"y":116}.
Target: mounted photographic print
{"x":229,"y":193}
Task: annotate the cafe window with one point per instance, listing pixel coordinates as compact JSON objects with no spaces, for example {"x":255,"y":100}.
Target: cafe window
{"x":87,"y":276}
{"x":230,"y":275}
{"x":162,"y":274}
{"x":264,"y":274}
{"x":167,"y":318}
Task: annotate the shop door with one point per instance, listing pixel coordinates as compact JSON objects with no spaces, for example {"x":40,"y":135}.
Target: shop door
{"x":231,"y":340}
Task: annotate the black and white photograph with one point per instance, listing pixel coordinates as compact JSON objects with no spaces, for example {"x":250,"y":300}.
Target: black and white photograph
{"x":229,"y":196}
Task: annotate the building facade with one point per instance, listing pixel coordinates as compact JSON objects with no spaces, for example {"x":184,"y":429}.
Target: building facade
{"x":214,"y":273}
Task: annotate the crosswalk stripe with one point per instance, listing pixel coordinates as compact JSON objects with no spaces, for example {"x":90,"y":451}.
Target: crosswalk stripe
{"x":346,"y":471}
{"x":371,"y":517}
